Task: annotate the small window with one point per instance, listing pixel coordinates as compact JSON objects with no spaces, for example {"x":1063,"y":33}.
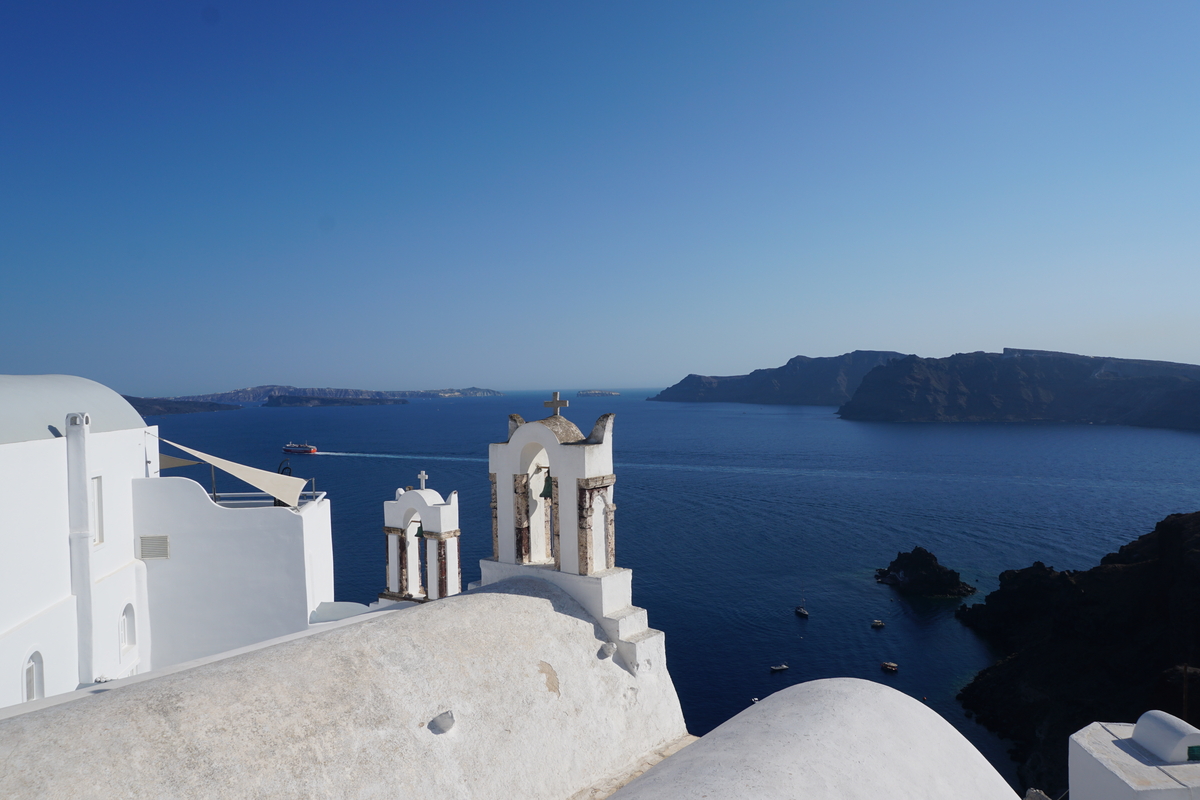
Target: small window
{"x":35,"y":687}
{"x":97,"y":509}
{"x":128,"y":628}
{"x":1194,"y":753}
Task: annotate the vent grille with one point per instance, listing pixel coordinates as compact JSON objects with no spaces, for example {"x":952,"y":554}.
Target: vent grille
{"x":155,"y":547}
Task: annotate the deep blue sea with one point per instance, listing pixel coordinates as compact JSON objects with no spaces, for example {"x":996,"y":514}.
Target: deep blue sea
{"x":730,"y":515}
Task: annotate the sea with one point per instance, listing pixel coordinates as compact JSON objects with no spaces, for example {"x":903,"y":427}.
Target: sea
{"x":731,"y":515}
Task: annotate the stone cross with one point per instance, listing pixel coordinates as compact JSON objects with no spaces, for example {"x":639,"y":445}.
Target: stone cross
{"x":422,"y":477}
{"x":556,"y":404}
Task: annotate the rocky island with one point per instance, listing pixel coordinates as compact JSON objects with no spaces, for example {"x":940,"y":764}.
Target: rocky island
{"x":597,"y":393}
{"x":161,"y":406}
{"x":919,"y":574}
{"x":1106,"y":643}
{"x":1030,"y":386}
{"x":801,"y":381}
{"x":261,"y":394}
{"x":294,"y":401}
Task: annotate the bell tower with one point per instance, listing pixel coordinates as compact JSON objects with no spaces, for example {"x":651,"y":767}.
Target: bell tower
{"x":553,"y":518}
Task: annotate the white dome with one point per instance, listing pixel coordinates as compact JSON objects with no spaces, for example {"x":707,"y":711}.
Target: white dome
{"x":835,"y":739}
{"x":30,"y":405}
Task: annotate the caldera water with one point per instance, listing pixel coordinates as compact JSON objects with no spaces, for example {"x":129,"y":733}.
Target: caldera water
{"x":731,"y":515}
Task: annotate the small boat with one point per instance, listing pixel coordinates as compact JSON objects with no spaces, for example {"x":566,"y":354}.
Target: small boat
{"x":876,"y":623}
{"x":890,"y":666}
{"x":292,"y":447}
{"x":779,"y":668}
{"x":801,"y":611}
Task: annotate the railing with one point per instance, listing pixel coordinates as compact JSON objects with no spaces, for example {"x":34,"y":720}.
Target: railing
{"x":260,"y":499}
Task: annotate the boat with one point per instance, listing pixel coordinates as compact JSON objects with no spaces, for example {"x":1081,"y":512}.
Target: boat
{"x":890,"y":666}
{"x":292,"y":447}
{"x":876,"y":623}
{"x":801,"y":611}
{"x":779,"y":668}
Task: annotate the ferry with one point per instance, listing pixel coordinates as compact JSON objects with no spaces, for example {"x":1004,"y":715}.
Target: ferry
{"x":292,"y":447}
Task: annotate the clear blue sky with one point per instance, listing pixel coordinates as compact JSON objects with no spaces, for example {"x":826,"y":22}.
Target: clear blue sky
{"x":196,"y":197}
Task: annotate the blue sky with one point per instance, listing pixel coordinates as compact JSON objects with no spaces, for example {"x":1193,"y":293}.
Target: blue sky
{"x":201,"y":196}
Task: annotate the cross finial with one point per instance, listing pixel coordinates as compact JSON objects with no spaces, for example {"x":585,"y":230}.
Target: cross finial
{"x":556,"y":404}
{"x":422,"y":477}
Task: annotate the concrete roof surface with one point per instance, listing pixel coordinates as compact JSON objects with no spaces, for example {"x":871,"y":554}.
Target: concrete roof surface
{"x":362,"y":710}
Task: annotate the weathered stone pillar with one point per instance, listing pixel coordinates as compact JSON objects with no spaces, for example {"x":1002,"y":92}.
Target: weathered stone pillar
{"x":521,"y":516}
{"x":589,"y":489}
{"x":442,"y":565}
{"x":495,"y":520}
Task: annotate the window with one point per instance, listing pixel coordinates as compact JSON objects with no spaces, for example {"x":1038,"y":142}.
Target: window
{"x":97,"y":509}
{"x":1193,"y":753}
{"x":128,"y":627}
{"x":35,"y":687}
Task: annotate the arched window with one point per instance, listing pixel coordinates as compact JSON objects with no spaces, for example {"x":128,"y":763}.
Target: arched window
{"x":35,"y":686}
{"x":128,"y":628}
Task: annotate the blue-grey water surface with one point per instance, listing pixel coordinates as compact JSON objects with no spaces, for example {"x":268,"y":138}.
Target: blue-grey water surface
{"x":731,"y":514}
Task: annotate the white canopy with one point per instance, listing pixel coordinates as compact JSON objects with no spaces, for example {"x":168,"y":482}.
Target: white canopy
{"x":284,"y":487}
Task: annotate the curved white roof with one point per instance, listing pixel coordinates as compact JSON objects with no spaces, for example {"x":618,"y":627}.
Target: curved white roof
{"x":31,"y":404}
{"x":503,"y":693}
{"x":835,"y":739}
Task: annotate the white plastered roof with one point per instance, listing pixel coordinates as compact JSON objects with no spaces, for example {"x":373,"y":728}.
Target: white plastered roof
{"x":31,"y":404}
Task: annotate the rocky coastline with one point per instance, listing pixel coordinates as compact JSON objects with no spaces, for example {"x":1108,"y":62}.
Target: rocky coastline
{"x":1107,"y":643}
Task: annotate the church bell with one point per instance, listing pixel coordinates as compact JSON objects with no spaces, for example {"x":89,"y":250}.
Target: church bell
{"x":547,"y":488}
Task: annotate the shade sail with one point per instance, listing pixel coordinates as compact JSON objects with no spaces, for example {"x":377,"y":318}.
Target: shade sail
{"x":283,"y":487}
{"x":166,"y":462}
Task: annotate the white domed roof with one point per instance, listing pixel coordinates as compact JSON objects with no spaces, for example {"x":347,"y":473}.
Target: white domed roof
{"x":32,"y":405}
{"x":835,"y":739}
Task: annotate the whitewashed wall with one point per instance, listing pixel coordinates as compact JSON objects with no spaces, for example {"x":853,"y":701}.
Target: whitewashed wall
{"x":234,"y":576}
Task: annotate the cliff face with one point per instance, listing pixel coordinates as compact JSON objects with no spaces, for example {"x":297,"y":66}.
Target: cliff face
{"x":1030,"y":385}
{"x":802,"y":381}
{"x":1103,"y":644}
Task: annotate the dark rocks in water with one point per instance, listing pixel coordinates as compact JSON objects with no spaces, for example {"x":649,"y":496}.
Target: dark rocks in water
{"x":161,"y":406}
{"x":919,"y":573}
{"x":1105,"y":644}
{"x":293,"y":401}
{"x":802,"y":381}
{"x":1028,"y":386}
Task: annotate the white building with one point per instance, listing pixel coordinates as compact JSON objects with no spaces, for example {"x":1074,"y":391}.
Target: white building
{"x":110,"y":569}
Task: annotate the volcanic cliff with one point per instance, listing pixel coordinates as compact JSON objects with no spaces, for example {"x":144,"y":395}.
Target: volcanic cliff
{"x":1030,"y":385}
{"x":802,"y":381}
{"x":1105,"y":644}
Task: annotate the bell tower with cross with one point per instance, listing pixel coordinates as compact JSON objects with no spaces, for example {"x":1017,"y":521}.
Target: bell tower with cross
{"x":416,"y":515}
{"x":553,"y":518}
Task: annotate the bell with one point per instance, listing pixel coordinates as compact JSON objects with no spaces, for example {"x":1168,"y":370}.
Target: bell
{"x":547,"y":488}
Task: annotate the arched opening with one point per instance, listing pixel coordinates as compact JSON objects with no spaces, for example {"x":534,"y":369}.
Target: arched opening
{"x":128,"y":628}
{"x":35,"y":684}
{"x":534,"y":507}
{"x":410,"y":557}
{"x":600,"y":533}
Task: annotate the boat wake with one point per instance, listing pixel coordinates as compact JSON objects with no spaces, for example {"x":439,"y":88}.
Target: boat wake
{"x":400,"y":456}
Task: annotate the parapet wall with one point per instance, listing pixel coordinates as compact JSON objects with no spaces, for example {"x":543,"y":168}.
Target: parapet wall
{"x":538,"y":712}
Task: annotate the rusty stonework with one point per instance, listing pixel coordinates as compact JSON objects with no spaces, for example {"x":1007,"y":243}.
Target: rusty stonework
{"x":441,"y":559}
{"x":610,"y":533}
{"x":588,"y":490}
{"x":521,"y":516}
{"x":555,"y":543}
{"x":495,"y":520}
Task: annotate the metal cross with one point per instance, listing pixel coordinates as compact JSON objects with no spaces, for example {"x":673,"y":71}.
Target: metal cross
{"x":556,"y":404}
{"x":421,"y":476}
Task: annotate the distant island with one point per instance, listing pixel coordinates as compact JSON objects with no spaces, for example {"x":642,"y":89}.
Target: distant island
{"x":919,"y":574}
{"x":261,"y":394}
{"x":1029,"y":386}
{"x":597,"y":393}
{"x":802,"y":381}
{"x":1106,"y":643}
{"x":161,"y":406}
{"x":295,"y":401}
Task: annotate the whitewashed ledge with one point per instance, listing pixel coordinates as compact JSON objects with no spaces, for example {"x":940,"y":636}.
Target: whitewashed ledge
{"x":835,"y":739}
{"x":514,"y":676}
